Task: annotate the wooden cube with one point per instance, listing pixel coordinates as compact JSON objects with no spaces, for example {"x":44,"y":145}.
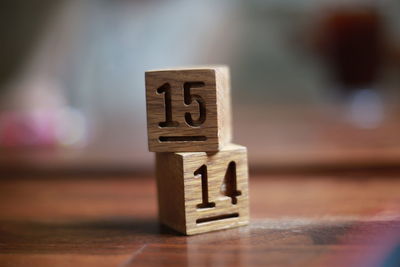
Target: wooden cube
{"x":201,"y":192}
{"x":188,"y":110}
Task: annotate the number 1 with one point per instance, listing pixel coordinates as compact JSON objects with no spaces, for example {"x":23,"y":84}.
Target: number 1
{"x":166,"y":89}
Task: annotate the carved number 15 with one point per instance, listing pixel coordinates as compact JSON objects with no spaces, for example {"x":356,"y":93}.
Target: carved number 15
{"x":188,"y":99}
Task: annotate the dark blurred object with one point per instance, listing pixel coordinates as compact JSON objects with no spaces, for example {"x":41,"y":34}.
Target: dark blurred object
{"x":352,"y":42}
{"x":22,"y":25}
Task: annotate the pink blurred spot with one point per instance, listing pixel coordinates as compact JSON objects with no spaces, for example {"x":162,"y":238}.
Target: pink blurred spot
{"x":35,"y":128}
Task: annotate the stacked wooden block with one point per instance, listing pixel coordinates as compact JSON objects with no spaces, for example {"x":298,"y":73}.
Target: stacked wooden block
{"x":202,"y":178}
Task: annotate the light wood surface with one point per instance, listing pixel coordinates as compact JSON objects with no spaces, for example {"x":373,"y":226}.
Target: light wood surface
{"x":342,"y":219}
{"x":201,"y":192}
{"x":188,"y":110}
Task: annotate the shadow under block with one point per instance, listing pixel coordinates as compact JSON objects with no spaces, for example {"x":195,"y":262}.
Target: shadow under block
{"x":200,"y":192}
{"x":188,"y":110}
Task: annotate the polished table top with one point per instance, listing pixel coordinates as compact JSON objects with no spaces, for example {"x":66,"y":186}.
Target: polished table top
{"x":317,"y":219}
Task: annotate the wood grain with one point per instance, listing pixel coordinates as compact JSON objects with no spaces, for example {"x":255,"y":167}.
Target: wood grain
{"x":201,"y":192}
{"x":297,"y":220}
{"x":188,"y":110}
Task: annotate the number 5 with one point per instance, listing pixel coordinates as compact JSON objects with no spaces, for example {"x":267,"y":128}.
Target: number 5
{"x":188,"y":98}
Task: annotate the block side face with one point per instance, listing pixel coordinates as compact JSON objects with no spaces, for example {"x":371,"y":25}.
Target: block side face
{"x":182,"y":110}
{"x":227,"y":190}
{"x":171,"y":206}
{"x":224,"y":106}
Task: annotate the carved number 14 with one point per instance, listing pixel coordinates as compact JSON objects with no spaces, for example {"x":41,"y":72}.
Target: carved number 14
{"x":228,"y":187}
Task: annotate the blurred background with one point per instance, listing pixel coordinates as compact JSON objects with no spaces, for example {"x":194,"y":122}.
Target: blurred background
{"x":315,"y":83}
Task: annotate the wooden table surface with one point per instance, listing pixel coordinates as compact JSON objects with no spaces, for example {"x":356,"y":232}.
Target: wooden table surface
{"x":336,"y":219}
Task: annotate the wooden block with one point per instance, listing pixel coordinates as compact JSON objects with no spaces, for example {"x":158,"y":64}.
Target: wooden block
{"x":188,"y":110}
{"x":201,"y":192}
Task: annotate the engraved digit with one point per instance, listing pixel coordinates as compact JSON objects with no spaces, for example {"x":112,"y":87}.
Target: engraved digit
{"x":188,"y":98}
{"x":229,"y":186}
{"x":166,"y":89}
{"x":202,"y":172}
